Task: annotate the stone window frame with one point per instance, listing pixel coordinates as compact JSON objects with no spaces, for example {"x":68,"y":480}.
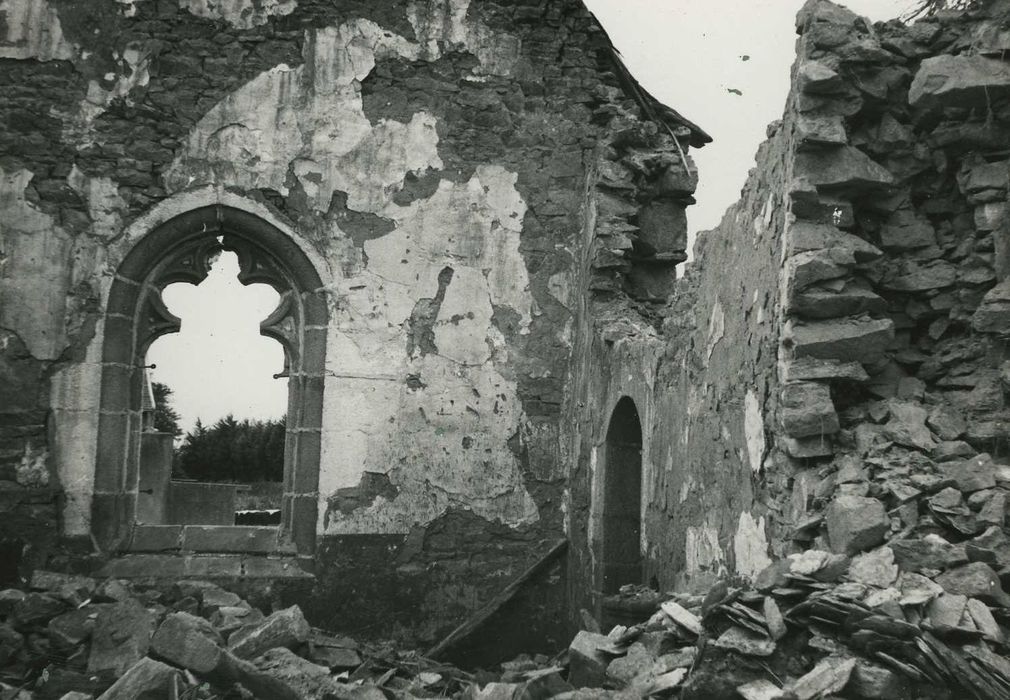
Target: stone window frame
{"x":180,"y":250}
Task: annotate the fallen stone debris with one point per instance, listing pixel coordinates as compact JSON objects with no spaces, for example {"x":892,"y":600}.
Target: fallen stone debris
{"x":918,"y":617}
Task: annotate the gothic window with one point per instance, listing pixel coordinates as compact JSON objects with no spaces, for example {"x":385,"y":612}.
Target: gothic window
{"x":180,"y":250}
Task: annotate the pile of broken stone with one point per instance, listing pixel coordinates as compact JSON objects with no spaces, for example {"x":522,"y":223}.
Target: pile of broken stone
{"x":71,"y":637}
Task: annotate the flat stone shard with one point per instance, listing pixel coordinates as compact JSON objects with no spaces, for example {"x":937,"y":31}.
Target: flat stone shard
{"x":855,"y":523}
{"x":283,"y":628}
{"x":147,"y":679}
{"x":849,"y":339}
{"x":301,"y":678}
{"x":958,"y":81}
{"x":810,"y":368}
{"x":807,"y":410}
{"x":827,"y":677}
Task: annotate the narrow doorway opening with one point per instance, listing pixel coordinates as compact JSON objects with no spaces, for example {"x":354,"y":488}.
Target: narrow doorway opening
{"x":622,"y":499}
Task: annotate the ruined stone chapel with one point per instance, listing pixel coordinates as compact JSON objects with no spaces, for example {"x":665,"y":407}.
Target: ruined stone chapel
{"x":498,"y":365}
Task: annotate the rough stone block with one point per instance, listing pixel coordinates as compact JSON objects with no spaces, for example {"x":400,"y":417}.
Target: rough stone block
{"x":859,"y":339}
{"x":283,"y":628}
{"x":975,"y":580}
{"x":972,"y":474}
{"x":587,"y":664}
{"x":993,"y":314}
{"x":805,"y":269}
{"x":959,"y":81}
{"x":843,"y":170}
{"x":815,"y":78}
{"x":121,"y":637}
{"x":190,"y":642}
{"x":855,"y":523}
{"x":803,"y":236}
{"x":806,"y":410}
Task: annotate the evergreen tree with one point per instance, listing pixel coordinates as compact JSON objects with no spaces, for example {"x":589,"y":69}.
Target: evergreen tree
{"x":166,"y":419}
{"x":234,"y":451}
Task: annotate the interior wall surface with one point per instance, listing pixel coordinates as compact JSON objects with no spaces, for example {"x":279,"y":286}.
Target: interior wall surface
{"x":429,"y":158}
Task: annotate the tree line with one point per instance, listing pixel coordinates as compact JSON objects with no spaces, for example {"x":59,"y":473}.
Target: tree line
{"x":228,"y":450}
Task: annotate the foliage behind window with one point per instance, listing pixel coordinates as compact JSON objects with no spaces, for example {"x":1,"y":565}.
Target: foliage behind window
{"x":232,"y":450}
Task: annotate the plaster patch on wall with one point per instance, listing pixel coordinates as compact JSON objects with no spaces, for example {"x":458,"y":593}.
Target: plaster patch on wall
{"x":105,"y":206}
{"x":134,"y":65}
{"x":32,"y":29}
{"x":34,"y":270}
{"x":686,"y":486}
{"x":702,"y":552}
{"x":241,"y":14}
{"x":754,"y":430}
{"x":310,"y":119}
{"x":31,"y":471}
{"x":716,"y":328}
{"x":750,"y":546}
{"x":444,"y":23}
{"x":442,"y":437}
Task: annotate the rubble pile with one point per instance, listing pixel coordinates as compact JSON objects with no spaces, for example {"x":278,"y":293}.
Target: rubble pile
{"x":71,"y":637}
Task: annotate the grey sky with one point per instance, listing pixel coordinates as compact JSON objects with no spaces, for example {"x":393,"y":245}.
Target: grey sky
{"x":688,"y":53}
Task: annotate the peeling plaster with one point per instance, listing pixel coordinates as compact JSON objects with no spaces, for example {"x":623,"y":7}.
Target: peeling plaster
{"x":439,"y":23}
{"x":750,"y":546}
{"x":31,"y":471}
{"x":444,"y":444}
{"x":34,"y":270}
{"x":441,"y":438}
{"x":105,"y":206}
{"x":754,"y":430}
{"x":702,"y":553}
{"x":133,"y":72}
{"x":310,"y":119}
{"x":33,"y":30}
{"x":241,"y":14}
{"x":716,"y":328}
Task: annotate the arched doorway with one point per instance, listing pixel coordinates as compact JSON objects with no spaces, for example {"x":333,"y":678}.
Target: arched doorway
{"x":622,"y":498}
{"x":179,"y":250}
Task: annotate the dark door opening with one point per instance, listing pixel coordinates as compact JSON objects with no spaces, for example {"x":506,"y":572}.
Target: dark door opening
{"x":622,"y":498}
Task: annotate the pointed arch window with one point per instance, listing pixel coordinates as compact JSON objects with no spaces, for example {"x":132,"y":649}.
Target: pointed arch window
{"x":180,"y":250}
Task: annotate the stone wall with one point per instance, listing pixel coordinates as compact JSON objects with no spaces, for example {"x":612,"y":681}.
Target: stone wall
{"x":430,"y":160}
{"x":829,"y":374}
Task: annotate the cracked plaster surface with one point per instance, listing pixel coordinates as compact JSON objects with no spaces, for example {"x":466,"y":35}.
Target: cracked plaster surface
{"x":443,"y":440}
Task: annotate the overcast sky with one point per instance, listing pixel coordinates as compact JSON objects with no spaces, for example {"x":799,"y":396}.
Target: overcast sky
{"x":687,"y":53}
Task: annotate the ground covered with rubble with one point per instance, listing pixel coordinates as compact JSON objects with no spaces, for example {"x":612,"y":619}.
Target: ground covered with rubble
{"x":919,"y":613}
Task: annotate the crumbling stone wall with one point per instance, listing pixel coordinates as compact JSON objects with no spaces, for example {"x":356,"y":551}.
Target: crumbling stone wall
{"x":829,"y":373}
{"x":429,"y":158}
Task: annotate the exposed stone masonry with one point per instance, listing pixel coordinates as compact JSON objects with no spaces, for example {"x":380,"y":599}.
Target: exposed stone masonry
{"x":496,"y":211}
